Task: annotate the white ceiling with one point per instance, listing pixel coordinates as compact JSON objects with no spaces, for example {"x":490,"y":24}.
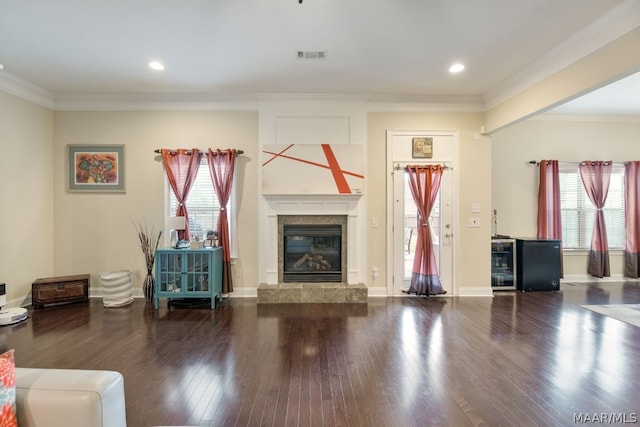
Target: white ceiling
{"x":381,"y":49}
{"x":620,"y":98}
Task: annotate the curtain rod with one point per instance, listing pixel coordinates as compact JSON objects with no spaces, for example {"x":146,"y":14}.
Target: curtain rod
{"x":399,"y":165}
{"x":537,"y":163}
{"x":189,"y":151}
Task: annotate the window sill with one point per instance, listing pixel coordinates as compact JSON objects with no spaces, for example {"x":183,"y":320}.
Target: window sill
{"x":585,"y":252}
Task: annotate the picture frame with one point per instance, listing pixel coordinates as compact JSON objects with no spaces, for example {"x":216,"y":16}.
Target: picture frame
{"x":95,"y":168}
{"x":422,"y":148}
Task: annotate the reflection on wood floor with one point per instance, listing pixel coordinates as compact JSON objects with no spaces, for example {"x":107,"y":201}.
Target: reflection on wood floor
{"x":513,"y":360}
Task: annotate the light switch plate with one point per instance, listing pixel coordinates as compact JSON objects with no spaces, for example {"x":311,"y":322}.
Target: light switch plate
{"x":475,"y":207}
{"x":474,"y":222}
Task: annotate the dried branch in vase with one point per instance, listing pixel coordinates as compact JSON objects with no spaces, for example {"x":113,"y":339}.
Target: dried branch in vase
{"x":149,"y":241}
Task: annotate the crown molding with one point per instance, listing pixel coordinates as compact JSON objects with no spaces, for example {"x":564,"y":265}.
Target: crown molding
{"x":610,"y":26}
{"x":464,"y":104}
{"x":590,"y":118}
{"x":226,"y":101}
{"x":23,"y":89}
{"x":156,"y":102}
{"x":387,"y":102}
{"x":287,"y":96}
{"x":191,"y":101}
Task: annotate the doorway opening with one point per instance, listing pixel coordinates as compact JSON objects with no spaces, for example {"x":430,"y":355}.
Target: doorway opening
{"x":402,"y":211}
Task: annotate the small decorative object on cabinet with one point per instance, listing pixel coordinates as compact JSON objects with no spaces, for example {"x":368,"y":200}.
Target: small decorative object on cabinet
{"x":188,"y":273}
{"x":211,"y":240}
{"x":503,"y":264}
{"x":58,"y":290}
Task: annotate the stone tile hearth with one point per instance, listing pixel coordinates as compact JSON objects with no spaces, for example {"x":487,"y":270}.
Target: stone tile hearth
{"x":312,"y":293}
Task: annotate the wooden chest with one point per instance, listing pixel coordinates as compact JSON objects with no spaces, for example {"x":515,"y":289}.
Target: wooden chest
{"x":58,"y":290}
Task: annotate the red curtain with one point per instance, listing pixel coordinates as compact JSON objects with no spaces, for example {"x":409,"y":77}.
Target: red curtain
{"x":221,"y":167}
{"x":595,"y":178}
{"x":181,"y":167}
{"x":632,"y":219}
{"x":424,"y":182}
{"x":549,"y":212}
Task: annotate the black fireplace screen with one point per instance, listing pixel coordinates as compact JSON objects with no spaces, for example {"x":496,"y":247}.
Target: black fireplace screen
{"x":312,"y":253}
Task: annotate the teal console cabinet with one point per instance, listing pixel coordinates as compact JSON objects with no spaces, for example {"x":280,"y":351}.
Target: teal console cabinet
{"x":188,"y":273}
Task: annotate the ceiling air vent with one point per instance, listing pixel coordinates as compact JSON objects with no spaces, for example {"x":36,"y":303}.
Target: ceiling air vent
{"x":311,"y":54}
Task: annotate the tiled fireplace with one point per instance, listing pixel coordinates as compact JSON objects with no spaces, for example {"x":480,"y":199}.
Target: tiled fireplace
{"x":313,"y":250}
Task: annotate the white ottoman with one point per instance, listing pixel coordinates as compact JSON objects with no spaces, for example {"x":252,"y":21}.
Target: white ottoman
{"x":70,"y":398}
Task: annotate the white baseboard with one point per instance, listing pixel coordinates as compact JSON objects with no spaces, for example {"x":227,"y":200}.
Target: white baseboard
{"x":96,"y":292}
{"x":381,"y":292}
{"x":586,"y":278}
{"x":468,"y":291}
{"x":373,"y":292}
{"x":243,"y":293}
{"x":377,"y":291}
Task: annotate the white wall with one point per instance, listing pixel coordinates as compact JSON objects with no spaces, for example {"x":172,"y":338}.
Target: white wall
{"x":94,"y":233}
{"x":26,"y":168}
{"x":515,"y":181}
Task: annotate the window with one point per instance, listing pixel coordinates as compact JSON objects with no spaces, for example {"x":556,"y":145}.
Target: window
{"x":203,"y":206}
{"x":578,"y":212}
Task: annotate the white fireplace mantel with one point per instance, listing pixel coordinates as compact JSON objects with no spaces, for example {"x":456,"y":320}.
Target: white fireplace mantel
{"x":349,"y":205}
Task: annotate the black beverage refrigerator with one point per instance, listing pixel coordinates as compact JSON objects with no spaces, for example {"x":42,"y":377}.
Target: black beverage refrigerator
{"x":538,"y":264}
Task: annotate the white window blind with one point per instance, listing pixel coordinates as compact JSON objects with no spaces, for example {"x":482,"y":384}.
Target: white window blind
{"x":578,"y":213}
{"x":203,"y":206}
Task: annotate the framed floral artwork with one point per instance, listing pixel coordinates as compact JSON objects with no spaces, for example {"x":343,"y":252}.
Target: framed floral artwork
{"x":95,"y":168}
{"x":422,"y":148}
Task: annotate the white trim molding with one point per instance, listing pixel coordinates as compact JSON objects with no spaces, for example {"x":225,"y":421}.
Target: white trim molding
{"x":23,"y":89}
{"x":350,"y":206}
{"x":469,"y":291}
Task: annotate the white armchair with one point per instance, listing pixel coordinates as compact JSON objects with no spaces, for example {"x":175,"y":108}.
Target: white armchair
{"x":69,"y":398}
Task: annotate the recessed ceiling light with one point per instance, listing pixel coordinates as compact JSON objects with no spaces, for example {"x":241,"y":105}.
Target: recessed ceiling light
{"x":456,"y":68}
{"x":1,"y":67}
{"x":155,"y":65}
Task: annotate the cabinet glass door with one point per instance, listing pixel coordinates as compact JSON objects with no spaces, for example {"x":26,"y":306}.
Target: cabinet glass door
{"x":503,"y":275}
{"x":197,"y":272}
{"x":170,"y":279}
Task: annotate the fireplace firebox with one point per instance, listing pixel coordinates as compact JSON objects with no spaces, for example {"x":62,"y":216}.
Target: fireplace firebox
{"x":312,"y":253}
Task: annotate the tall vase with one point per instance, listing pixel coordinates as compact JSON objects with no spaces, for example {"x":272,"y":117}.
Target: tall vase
{"x":148,"y":286}
{"x":173,"y":238}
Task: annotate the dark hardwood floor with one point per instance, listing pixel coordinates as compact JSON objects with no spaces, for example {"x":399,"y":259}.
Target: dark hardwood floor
{"x":518,"y":359}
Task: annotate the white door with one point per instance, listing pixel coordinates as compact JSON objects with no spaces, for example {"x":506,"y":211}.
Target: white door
{"x":405,"y":230}
{"x":401,"y":210}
